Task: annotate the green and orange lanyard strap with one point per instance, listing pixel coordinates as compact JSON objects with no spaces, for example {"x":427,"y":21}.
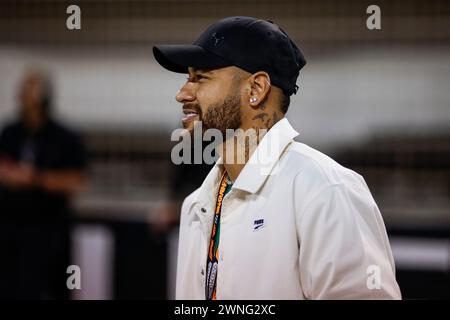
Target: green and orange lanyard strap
{"x":213,"y":251}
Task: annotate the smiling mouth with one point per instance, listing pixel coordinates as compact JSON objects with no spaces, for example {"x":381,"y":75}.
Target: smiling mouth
{"x":189,"y":114}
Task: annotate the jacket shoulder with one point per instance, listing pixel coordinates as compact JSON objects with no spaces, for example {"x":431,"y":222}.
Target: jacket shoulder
{"x":315,"y":166}
{"x":311,"y":172}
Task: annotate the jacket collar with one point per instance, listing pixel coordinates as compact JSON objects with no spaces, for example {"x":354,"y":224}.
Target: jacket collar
{"x":261,"y":164}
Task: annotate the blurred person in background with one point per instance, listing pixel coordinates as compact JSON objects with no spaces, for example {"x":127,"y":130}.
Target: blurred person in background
{"x":42,"y":165}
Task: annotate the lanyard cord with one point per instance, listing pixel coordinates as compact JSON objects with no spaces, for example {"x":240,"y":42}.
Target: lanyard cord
{"x":213,"y":252}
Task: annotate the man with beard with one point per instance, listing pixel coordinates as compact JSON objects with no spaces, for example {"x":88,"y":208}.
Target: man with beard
{"x":288,"y":222}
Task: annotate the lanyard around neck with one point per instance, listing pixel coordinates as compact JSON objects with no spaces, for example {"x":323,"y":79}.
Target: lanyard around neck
{"x":213,"y":252}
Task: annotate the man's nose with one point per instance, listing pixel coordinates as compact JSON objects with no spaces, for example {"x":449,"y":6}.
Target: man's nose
{"x":185,"y":94}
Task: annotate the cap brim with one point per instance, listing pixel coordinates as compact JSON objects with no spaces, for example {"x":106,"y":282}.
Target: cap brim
{"x":178,"y":58}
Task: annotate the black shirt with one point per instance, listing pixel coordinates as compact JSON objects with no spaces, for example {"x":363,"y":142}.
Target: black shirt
{"x":53,"y":147}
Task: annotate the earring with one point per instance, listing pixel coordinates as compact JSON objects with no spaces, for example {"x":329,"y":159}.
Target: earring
{"x":253,"y":99}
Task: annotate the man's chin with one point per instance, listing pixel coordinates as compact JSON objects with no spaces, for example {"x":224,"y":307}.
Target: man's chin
{"x":194,"y":126}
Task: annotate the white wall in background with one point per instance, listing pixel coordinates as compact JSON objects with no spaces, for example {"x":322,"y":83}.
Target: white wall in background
{"x":98,"y":90}
{"x":342,"y":97}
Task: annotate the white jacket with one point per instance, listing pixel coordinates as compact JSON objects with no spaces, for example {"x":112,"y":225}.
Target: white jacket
{"x":308,"y":230}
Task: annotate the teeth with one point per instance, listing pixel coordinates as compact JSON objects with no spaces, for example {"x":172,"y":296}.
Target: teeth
{"x":189,"y":116}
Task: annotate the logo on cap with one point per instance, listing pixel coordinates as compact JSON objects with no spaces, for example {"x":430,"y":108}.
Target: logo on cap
{"x":216,"y":38}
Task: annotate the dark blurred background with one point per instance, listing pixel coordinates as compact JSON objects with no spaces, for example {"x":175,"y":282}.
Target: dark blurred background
{"x":378,"y":101}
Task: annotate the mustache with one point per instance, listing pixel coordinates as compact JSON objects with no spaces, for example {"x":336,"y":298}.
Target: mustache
{"x":193,"y":106}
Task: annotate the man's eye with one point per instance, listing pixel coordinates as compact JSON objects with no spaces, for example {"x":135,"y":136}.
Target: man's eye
{"x":196,"y":78}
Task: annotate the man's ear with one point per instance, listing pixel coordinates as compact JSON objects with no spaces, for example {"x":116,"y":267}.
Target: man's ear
{"x":260,"y":88}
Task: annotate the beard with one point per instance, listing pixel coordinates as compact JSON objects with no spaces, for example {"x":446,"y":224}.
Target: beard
{"x":219,"y":116}
{"x":225,"y":115}
{"x":222,"y":115}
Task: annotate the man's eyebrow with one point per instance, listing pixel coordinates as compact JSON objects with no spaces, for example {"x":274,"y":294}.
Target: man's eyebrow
{"x":203,"y":71}
{"x":193,"y":72}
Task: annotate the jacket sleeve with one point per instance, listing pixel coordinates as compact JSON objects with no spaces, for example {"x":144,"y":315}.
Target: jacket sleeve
{"x":344,"y":249}
{"x":179,"y":288}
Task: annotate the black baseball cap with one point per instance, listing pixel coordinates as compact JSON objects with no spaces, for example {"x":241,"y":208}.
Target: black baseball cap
{"x":248,"y":43}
